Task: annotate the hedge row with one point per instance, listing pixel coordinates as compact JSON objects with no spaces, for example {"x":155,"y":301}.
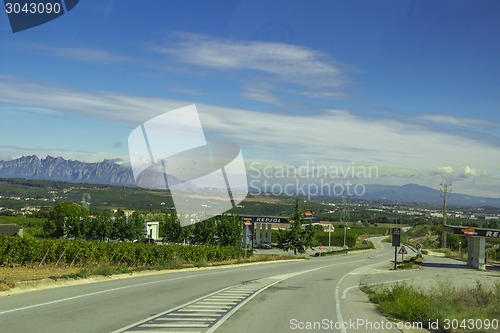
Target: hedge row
{"x":19,"y":251}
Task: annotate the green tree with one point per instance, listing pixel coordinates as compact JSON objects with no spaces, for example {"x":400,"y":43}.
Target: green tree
{"x":229,"y":229}
{"x":103,"y":226}
{"x":119,"y":230}
{"x":296,"y":237}
{"x":204,"y":232}
{"x":73,"y":227}
{"x":187,"y":233}
{"x":171,"y":230}
{"x":61,"y":218}
{"x":135,"y":227}
{"x":311,"y":233}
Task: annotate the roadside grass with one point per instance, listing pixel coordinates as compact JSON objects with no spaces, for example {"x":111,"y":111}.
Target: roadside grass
{"x":440,"y":303}
{"x":19,"y":275}
{"x":412,"y":263}
{"x":6,"y":284}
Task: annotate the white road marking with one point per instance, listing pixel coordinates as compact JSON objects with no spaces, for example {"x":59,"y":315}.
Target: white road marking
{"x":196,"y":325}
{"x":216,"y":303}
{"x":150,"y":331}
{"x":278,"y":278}
{"x":189,"y":309}
{"x":185,"y":319}
{"x":177,"y":314}
{"x":98,"y":293}
{"x":210,"y":305}
{"x":197,"y":313}
{"x":338,"y":311}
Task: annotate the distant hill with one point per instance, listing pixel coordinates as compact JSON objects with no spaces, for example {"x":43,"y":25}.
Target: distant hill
{"x":108,"y":172}
{"x":60,"y":169}
{"x":412,"y":193}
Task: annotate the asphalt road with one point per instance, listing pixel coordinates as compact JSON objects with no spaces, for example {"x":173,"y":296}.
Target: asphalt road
{"x":314,"y":295}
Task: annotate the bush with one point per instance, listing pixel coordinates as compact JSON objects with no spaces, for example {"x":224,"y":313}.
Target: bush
{"x":444,"y":301}
{"x":19,"y":251}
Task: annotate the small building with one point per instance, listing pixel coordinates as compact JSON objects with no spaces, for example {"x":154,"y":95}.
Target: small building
{"x":11,"y":230}
{"x":152,"y":230}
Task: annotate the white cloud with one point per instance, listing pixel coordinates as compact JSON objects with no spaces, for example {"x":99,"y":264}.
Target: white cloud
{"x":298,"y":66}
{"x":445,"y":169}
{"x":339,"y":135}
{"x":262,"y":92}
{"x":330,"y":137}
{"x":456,"y":121}
{"x":468,"y":171}
{"x":80,"y":54}
{"x":102,"y":105}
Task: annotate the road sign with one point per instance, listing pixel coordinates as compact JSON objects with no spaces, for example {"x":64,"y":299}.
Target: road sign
{"x":396,"y":236}
{"x":396,"y":241}
{"x":402,"y":250}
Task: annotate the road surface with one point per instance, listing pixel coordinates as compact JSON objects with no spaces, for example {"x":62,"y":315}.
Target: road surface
{"x":320,"y":294}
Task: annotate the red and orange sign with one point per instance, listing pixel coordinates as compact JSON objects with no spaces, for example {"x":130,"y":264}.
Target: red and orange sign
{"x":469,"y":232}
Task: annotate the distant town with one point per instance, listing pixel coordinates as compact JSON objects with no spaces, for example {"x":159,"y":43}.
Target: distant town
{"x":31,"y":198}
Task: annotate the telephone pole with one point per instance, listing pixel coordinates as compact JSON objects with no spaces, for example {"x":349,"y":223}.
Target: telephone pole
{"x":446,"y":189}
{"x":344,"y":217}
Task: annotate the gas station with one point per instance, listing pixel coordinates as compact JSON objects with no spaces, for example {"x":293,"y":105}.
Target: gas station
{"x":476,"y":241}
{"x":261,"y":228}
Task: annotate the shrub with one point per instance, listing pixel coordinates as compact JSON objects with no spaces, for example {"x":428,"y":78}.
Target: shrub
{"x":17,"y":251}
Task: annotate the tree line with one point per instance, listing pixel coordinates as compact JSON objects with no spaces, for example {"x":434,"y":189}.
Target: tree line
{"x":74,"y":221}
{"x":224,"y":230}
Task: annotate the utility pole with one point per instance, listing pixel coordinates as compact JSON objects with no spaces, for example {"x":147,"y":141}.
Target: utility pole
{"x":344,"y":217}
{"x":86,"y":200}
{"x":445,"y":195}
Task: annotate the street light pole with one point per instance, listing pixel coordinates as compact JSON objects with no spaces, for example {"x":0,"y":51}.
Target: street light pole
{"x":345,"y":233}
{"x":329,"y":236}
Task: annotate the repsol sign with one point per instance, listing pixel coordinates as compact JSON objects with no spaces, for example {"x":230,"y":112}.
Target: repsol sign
{"x":492,"y":233}
{"x":472,"y":231}
{"x":270,"y":219}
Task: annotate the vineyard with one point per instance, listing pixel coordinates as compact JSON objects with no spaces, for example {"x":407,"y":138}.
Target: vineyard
{"x":16,"y":251}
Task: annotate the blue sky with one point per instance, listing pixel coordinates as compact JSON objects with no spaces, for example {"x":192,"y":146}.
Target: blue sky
{"x":411,"y":87}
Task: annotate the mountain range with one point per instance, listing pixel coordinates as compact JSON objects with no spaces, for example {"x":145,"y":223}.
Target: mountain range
{"x":60,"y":169}
{"x":112,"y":172}
{"x":424,"y":195}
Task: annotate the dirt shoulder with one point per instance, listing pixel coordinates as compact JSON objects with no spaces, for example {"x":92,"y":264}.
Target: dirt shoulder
{"x":435,"y":271}
{"x":20,"y":280}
